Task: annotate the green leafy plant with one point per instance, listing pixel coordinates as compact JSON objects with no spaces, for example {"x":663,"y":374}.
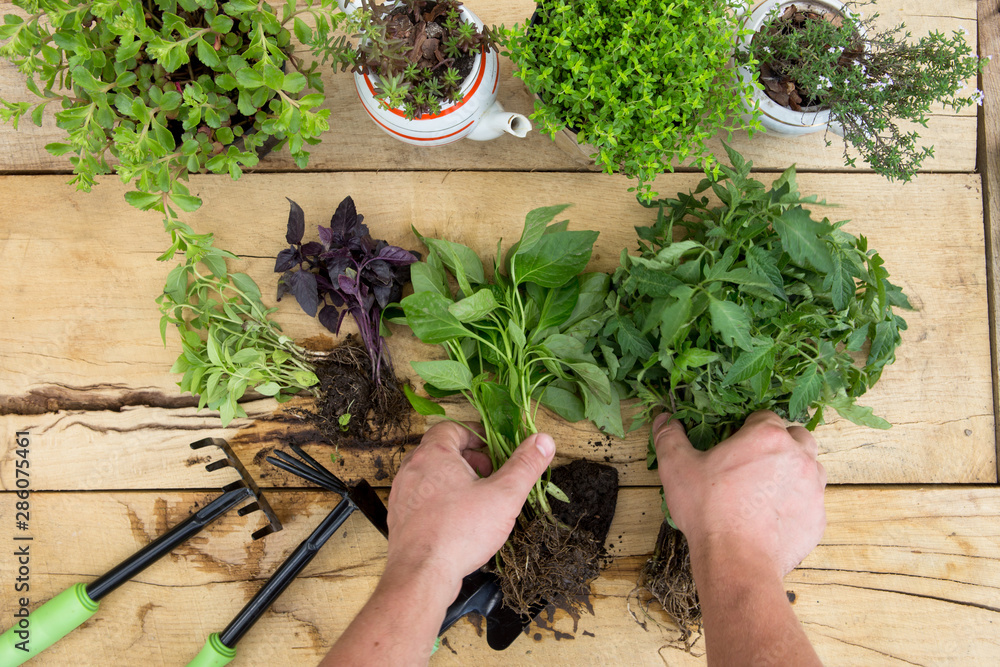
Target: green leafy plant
{"x":869,"y":79}
{"x":229,"y":342}
{"x":420,"y":50}
{"x":159,"y":89}
{"x":758,"y":306}
{"x":518,"y":339}
{"x":750,"y":304}
{"x":646,"y":83}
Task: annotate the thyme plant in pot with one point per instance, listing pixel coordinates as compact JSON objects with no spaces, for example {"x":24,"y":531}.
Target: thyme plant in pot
{"x":638,"y":86}
{"x":822,"y":66}
{"x":155,"y":90}
{"x":427,"y":72}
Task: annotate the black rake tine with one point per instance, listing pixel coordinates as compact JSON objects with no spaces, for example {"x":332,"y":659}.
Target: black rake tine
{"x":293,"y":465}
{"x":321,"y":469}
{"x":304,"y":473}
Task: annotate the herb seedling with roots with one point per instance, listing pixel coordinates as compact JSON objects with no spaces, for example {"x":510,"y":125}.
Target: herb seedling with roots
{"x":522,"y":338}
{"x":756,"y":306}
{"x":347,"y":272}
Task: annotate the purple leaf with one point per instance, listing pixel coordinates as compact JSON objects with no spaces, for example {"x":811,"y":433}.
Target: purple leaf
{"x":296,"y":223}
{"x":330,"y":318}
{"x":383,"y":294}
{"x":287,"y":258}
{"x":378,"y":272}
{"x":396,"y":255}
{"x":325,"y":236}
{"x":324,"y":284}
{"x":337,"y":298}
{"x":344,"y":219}
{"x":336,"y":267}
{"x":347,"y":284}
{"x":312,"y":249}
{"x":303,"y":286}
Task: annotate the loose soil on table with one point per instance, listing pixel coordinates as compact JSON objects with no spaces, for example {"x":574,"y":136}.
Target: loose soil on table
{"x":378,"y":412}
{"x":546,"y":562}
{"x":666,"y":577}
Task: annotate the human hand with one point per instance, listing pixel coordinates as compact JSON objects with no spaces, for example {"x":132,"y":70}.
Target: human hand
{"x":759,"y":491}
{"x":443,"y":516}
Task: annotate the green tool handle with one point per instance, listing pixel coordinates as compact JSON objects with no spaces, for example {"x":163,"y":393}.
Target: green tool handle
{"x":214,"y":653}
{"x":46,"y":625}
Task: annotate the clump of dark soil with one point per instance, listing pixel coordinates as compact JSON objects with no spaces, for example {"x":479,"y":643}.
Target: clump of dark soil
{"x":666,"y":577}
{"x":377,"y":412}
{"x":554,"y":562}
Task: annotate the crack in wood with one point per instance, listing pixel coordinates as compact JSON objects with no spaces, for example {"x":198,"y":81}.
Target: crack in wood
{"x":962,"y":603}
{"x":56,"y":397}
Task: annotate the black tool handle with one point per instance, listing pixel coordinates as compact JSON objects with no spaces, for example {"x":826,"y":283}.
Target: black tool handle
{"x":480,"y":592}
{"x":285,"y":574}
{"x":165,"y":543}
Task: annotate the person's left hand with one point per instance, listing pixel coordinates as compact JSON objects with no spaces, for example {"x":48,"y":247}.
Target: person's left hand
{"x":446,"y":518}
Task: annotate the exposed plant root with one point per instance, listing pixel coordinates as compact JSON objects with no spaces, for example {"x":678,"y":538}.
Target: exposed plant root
{"x":377,"y":411}
{"x":666,"y":577}
{"x":548,"y":562}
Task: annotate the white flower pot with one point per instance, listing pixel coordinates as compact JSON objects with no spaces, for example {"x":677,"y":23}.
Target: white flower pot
{"x":773,"y":116}
{"x":477,"y":115}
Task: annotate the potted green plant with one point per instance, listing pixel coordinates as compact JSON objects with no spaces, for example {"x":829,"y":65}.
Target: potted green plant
{"x":427,"y":72}
{"x":641,"y":85}
{"x":155,"y":90}
{"x":820,"y":66}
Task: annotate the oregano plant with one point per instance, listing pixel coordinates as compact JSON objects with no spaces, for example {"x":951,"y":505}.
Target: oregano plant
{"x":156,"y":90}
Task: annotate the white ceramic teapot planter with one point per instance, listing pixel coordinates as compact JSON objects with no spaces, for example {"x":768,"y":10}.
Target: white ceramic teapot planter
{"x":476,"y":115}
{"x":773,"y":116}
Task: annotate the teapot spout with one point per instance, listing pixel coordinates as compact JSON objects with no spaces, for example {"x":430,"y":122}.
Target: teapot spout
{"x":496,"y":121}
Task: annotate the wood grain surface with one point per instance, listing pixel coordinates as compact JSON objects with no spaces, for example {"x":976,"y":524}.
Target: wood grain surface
{"x":355,"y":143}
{"x":905,"y":575}
{"x":989,"y":166}
{"x":902,"y":576}
{"x":82,"y":339}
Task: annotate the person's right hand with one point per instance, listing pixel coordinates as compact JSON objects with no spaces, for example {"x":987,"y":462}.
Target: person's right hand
{"x":760,"y":490}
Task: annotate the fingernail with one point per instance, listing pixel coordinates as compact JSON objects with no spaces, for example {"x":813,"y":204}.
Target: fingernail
{"x":545,"y":444}
{"x":660,"y":420}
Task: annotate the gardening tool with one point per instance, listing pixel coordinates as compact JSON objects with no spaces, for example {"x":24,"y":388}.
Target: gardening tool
{"x":221,"y":647}
{"x":66,"y":611}
{"x":481,"y":593}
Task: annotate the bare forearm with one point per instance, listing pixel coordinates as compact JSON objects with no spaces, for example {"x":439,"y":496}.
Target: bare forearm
{"x":399,"y":623}
{"x":748,"y":619}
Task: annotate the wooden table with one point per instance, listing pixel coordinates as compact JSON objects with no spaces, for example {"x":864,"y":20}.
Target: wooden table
{"x":909,"y":568}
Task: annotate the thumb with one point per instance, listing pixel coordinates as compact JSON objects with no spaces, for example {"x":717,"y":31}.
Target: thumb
{"x":526,"y":465}
{"x":670,"y":440}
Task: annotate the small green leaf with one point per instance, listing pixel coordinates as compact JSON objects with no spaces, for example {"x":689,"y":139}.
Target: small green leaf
{"x":730,"y":321}
{"x":447,"y":375}
{"x":475,"y":307}
{"x":422,"y":405}
{"x":556,"y":492}
{"x":750,"y":363}
{"x":268,"y":388}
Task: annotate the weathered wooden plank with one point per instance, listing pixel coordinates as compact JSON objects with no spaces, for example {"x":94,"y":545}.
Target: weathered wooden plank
{"x":355,"y":142}
{"x":82,"y":332}
{"x":901,"y":576}
{"x":988,"y":155}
